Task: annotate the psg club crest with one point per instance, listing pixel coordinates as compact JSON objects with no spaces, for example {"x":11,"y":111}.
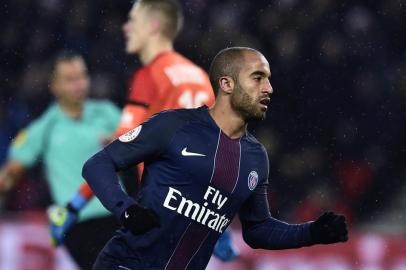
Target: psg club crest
{"x":130,"y":135}
{"x":252,"y":180}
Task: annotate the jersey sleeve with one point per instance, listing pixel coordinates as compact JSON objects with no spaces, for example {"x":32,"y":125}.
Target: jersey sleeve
{"x":143,"y":143}
{"x":143,"y":89}
{"x":27,"y":147}
{"x":261,"y":230}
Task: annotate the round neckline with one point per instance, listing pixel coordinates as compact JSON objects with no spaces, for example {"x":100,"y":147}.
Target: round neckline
{"x":213,"y":123}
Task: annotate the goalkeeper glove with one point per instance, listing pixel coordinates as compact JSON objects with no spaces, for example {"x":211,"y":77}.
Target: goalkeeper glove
{"x":329,"y":228}
{"x":139,"y":219}
{"x":224,"y":249}
{"x":61,"y":219}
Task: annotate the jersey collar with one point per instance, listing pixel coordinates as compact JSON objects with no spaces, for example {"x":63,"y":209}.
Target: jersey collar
{"x":212,"y":123}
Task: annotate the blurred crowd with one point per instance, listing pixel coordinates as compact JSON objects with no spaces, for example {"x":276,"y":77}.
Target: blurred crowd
{"x":334,"y":132}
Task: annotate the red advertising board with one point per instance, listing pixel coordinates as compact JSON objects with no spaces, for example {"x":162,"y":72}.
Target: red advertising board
{"x":25,"y":245}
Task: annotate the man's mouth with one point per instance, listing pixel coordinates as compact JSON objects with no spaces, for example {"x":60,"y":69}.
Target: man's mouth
{"x":265,"y":102}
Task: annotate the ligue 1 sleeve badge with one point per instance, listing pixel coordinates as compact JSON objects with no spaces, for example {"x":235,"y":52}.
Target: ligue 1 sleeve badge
{"x":252,"y":180}
{"x":130,"y":135}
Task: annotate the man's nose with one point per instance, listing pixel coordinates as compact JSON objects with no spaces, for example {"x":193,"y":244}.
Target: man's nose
{"x":268,"y":89}
{"x":124,"y":28}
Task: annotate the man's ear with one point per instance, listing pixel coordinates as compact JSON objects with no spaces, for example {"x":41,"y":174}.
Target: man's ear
{"x":155,"y":25}
{"x":226,"y":84}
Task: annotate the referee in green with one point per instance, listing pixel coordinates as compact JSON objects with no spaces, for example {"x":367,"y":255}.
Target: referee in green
{"x":70,"y":131}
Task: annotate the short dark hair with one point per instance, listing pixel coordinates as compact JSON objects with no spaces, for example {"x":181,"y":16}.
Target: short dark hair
{"x":63,"y":56}
{"x":226,"y":63}
{"x":172,"y":12}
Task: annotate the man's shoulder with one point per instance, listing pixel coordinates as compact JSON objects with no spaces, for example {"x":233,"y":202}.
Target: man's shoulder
{"x":253,"y":142}
{"x":50,"y":114}
{"x":179,"y":116}
{"x":160,"y":128}
{"x":38,"y":126}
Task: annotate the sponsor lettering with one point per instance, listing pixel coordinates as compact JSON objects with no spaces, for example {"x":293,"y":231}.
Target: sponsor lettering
{"x":174,"y":201}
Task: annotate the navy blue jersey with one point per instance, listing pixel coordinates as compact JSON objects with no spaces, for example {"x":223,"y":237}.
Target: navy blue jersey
{"x":196,"y":179}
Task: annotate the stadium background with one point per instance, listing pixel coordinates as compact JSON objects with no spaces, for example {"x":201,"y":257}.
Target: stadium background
{"x":335,"y":132}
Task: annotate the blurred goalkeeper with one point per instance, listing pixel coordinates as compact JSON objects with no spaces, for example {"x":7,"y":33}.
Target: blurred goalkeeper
{"x":63,"y":137}
{"x":167,"y":80}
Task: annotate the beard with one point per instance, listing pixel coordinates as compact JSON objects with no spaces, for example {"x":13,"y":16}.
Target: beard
{"x":245,"y":105}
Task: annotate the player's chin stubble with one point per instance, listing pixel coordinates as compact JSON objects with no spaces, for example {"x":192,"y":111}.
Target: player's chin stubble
{"x":244,"y":104}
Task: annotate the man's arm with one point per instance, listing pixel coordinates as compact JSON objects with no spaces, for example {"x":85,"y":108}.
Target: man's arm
{"x":144,"y":143}
{"x":138,"y":145}
{"x":261,"y":230}
{"x":100,"y":173}
{"x":10,"y":173}
{"x":24,"y":151}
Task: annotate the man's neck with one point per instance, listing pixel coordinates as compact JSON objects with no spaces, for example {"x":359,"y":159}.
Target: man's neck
{"x":153,"y":48}
{"x":72,"y":110}
{"x":229,"y":121}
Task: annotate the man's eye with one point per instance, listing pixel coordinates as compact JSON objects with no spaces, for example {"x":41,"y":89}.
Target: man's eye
{"x":257,"y":78}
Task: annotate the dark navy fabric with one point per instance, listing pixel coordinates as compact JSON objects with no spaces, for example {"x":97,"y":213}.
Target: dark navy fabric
{"x":196,"y":179}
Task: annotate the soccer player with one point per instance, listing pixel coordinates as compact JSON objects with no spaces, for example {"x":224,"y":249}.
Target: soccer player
{"x":64,"y":137}
{"x":167,"y":80}
{"x":202,"y":167}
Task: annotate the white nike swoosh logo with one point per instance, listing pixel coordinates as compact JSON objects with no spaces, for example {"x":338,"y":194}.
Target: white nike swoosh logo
{"x":188,"y":154}
{"x":126,"y":215}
